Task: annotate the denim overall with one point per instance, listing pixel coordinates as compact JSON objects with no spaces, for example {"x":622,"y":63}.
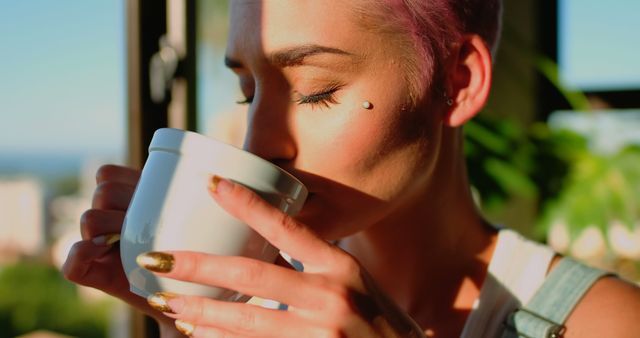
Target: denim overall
{"x":545,"y":314}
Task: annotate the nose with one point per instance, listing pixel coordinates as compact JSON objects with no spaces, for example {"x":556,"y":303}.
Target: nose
{"x":269,"y":131}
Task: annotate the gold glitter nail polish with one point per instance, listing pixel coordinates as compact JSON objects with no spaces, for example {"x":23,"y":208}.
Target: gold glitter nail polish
{"x":213,"y":182}
{"x":184,"y":327}
{"x":156,"y":261}
{"x":112,"y":239}
{"x":106,"y":240}
{"x":160,"y":301}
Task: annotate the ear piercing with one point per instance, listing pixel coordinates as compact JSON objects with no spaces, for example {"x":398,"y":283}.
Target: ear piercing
{"x":448,"y":100}
{"x":367,"y":105}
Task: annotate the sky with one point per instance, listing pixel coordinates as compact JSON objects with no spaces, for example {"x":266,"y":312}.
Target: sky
{"x":62,"y":82}
{"x":62,"y":67}
{"x":599,"y":43}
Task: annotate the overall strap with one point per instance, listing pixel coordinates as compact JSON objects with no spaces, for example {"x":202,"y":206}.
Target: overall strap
{"x":546,"y":312}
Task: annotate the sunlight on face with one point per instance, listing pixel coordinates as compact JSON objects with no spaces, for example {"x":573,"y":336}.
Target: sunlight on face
{"x":305,"y":68}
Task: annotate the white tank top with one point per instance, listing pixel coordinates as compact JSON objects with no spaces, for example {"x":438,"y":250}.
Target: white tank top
{"x":517,"y":269}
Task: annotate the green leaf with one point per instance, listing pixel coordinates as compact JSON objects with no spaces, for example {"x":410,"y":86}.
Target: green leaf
{"x":510,"y":178}
{"x":577,"y":99}
{"x":486,"y":137}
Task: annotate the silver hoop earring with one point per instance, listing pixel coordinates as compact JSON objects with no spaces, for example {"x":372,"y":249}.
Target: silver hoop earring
{"x":447,"y":99}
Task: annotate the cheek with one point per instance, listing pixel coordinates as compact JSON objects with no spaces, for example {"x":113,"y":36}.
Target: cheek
{"x":353,"y":145}
{"x":332,"y":143}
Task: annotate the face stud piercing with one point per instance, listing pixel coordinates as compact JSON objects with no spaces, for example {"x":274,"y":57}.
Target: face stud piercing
{"x":367,"y":105}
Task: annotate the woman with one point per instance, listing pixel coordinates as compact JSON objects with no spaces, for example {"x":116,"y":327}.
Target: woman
{"x":363,"y":101}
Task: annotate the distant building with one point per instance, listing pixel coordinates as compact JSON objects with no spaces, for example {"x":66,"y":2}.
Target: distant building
{"x":66,"y":211}
{"x":21,"y":218}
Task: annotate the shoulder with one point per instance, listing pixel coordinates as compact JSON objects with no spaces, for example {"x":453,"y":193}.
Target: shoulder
{"x":611,"y":308}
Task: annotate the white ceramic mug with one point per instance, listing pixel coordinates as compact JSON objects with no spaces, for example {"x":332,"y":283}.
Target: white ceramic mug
{"x":171,"y":208}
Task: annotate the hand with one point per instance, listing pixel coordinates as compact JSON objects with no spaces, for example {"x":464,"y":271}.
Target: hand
{"x":333,"y":297}
{"x":95,"y":261}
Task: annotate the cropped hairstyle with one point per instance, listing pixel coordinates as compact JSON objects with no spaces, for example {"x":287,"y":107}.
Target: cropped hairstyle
{"x":426,"y":31}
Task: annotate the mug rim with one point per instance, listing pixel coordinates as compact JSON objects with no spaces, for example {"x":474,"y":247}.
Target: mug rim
{"x":164,"y":139}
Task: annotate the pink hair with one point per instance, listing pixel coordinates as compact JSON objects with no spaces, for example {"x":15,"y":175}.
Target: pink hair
{"x":428,"y":30}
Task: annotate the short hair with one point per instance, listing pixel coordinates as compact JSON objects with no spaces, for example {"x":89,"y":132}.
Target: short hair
{"x":426,"y":30}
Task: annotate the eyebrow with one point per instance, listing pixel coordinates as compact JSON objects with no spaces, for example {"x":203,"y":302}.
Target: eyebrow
{"x":293,"y":56}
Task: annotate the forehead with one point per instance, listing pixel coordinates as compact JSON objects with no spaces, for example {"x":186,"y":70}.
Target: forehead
{"x":276,"y":24}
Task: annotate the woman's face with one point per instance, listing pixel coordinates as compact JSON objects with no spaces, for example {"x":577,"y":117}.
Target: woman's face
{"x":306,"y":67}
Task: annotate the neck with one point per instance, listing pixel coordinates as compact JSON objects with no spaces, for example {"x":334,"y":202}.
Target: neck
{"x":431,"y":254}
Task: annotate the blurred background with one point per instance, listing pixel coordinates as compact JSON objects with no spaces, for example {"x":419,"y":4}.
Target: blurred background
{"x":555,"y":155}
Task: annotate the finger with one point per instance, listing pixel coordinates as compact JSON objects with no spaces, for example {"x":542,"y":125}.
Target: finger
{"x":80,"y":260}
{"x":280,"y":261}
{"x":286,"y":331}
{"x":99,"y":267}
{"x":246,"y":319}
{"x":98,"y":222}
{"x":112,"y":195}
{"x":199,"y":331}
{"x":289,"y":329}
{"x":245,"y":275}
{"x":275,"y":226}
{"x":118,"y":174}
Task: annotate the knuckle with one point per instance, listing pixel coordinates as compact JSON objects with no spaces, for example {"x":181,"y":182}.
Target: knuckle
{"x":288,"y":223}
{"x":345,"y":267}
{"x":88,"y":217}
{"x":70,"y":267}
{"x":336,"y":301}
{"x":247,"y":273}
{"x":190,"y":267}
{"x":67,"y":270}
{"x":68,"y":273}
{"x":246,"y":320}
{"x":250,"y":198}
{"x":195,"y":267}
{"x":103,"y":193}
{"x":105,"y":172}
{"x":86,"y":220}
{"x":195,"y":308}
{"x":94,"y":222}
{"x":112,"y":195}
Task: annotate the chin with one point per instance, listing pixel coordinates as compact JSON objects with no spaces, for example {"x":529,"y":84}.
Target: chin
{"x":320,"y":216}
{"x":330,"y":220}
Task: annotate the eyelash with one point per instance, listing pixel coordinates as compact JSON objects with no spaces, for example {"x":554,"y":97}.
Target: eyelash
{"x":247,"y":100}
{"x":322,"y":98}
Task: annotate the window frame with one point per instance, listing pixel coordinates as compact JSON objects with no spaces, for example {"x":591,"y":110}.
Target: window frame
{"x":146,"y":23}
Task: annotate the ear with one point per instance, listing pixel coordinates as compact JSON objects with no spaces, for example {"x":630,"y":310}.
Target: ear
{"x":469,"y":81}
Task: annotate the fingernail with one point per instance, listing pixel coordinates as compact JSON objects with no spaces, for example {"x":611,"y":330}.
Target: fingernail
{"x":156,"y":261}
{"x":184,"y":327}
{"x":160,"y":301}
{"x":106,"y":239}
{"x":219,"y":185}
{"x":213,"y":182}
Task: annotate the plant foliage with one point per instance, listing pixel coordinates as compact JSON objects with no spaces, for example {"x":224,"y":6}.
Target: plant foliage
{"x":34,"y":296}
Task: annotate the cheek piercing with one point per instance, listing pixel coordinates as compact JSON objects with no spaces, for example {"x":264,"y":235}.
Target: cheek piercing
{"x":367,"y":105}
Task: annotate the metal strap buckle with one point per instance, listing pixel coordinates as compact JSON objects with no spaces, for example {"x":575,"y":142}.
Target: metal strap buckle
{"x":556,"y":330}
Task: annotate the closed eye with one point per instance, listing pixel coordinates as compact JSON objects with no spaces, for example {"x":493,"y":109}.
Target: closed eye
{"x":325,"y":97}
{"x":247,"y":100}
